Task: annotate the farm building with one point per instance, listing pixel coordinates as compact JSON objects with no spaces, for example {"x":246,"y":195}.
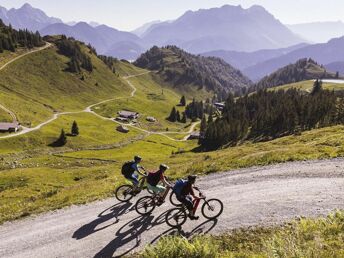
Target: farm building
{"x":128,"y":114}
{"x":194,"y":136}
{"x":122,"y":129}
{"x":122,"y":119}
{"x":9,"y":127}
{"x":151,"y":119}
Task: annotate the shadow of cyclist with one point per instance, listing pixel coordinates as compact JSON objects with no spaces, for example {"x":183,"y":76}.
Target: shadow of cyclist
{"x":201,"y":229}
{"x":113,"y":212}
{"x":130,"y":232}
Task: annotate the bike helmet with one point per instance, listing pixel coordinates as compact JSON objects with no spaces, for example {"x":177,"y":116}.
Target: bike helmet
{"x":137,"y":158}
{"x":192,"y":178}
{"x":163,"y":167}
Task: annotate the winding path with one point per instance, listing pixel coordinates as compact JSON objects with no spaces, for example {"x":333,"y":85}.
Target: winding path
{"x":88,"y":109}
{"x":252,"y":197}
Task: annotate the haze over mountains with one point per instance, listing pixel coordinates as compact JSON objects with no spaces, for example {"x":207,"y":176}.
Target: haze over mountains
{"x":250,"y":29}
{"x":319,"y":32}
{"x":251,"y":39}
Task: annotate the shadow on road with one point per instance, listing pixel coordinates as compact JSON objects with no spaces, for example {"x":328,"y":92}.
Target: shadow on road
{"x":130,"y":232}
{"x":201,"y":229}
{"x":113,"y":212}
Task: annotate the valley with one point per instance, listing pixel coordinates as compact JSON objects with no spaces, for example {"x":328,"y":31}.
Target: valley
{"x":229,"y":94}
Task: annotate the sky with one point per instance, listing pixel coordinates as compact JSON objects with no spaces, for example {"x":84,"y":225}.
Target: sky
{"x":130,"y":14}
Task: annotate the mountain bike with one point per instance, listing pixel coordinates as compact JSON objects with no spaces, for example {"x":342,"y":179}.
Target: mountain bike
{"x":211,"y":209}
{"x":147,"y":204}
{"x":125,"y":193}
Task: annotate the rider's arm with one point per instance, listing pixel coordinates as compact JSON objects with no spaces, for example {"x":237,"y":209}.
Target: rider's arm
{"x":164,"y":180}
{"x":138,"y":168}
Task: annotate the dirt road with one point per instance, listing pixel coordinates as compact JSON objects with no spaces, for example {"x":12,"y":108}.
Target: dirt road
{"x":254,"y":196}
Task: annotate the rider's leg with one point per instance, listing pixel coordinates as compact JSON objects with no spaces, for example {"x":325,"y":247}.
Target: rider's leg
{"x":187,"y":201}
{"x":135,"y":180}
{"x":164,"y":194}
{"x":193,"y":207}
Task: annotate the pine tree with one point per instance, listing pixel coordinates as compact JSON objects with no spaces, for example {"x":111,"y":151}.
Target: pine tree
{"x":183,"y":120}
{"x":75,"y":129}
{"x":337,"y":75}
{"x":178,"y":116}
{"x":317,"y":87}
{"x":210,"y":119}
{"x":203,"y":125}
{"x":183,"y":101}
{"x":62,"y":140}
{"x":173,"y":115}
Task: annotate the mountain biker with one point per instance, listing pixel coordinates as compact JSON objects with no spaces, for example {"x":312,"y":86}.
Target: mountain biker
{"x":184,"y":190}
{"x":130,"y":167}
{"x":153,"y":180}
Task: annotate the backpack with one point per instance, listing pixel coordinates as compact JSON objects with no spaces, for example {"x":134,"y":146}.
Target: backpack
{"x":127,"y":169}
{"x":179,"y":185}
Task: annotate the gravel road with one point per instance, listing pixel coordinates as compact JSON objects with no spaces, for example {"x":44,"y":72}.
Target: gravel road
{"x":254,"y":196}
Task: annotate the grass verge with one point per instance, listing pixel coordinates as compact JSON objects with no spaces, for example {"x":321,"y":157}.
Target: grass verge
{"x":322,"y":237}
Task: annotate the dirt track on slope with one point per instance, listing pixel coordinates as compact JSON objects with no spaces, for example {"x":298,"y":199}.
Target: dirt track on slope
{"x":254,"y":196}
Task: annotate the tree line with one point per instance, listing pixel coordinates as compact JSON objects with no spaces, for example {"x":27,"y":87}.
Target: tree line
{"x":11,"y":39}
{"x":78,"y":59}
{"x":109,"y":61}
{"x":194,"y":110}
{"x":271,"y":114}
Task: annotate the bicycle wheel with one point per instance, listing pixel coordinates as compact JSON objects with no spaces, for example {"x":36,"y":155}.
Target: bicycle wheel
{"x":174,"y":201}
{"x":124,"y":193}
{"x":212,"y":208}
{"x":145,"y":205}
{"x":176,"y":217}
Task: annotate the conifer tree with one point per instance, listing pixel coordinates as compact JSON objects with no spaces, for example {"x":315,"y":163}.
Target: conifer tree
{"x":62,"y":140}
{"x":183,"y":101}
{"x":173,"y":115}
{"x":317,"y":87}
{"x":183,"y":120}
{"x":75,"y":129}
{"x":178,"y":116}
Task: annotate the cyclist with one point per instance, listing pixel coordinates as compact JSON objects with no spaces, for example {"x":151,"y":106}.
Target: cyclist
{"x":130,"y":167}
{"x":153,"y":180}
{"x":184,"y":190}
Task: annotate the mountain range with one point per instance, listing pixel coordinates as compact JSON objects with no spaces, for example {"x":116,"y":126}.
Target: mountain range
{"x":195,"y":31}
{"x":105,"y":39}
{"x":27,"y":17}
{"x":324,"y":53}
{"x":227,"y":28}
{"x":251,"y":39}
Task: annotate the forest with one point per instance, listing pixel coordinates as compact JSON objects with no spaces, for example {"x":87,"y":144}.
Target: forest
{"x":267,"y":115}
{"x":181,"y":68}
{"x":11,"y":39}
{"x":78,"y":59}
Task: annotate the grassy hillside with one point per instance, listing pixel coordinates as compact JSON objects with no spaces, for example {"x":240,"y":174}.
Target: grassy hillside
{"x":94,"y":133}
{"x":321,"y":237}
{"x":52,"y":89}
{"x":302,"y":70}
{"x":150,"y":99}
{"x":4,"y":116}
{"x":308,"y":86}
{"x":82,"y":176}
{"x":185,"y":71}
